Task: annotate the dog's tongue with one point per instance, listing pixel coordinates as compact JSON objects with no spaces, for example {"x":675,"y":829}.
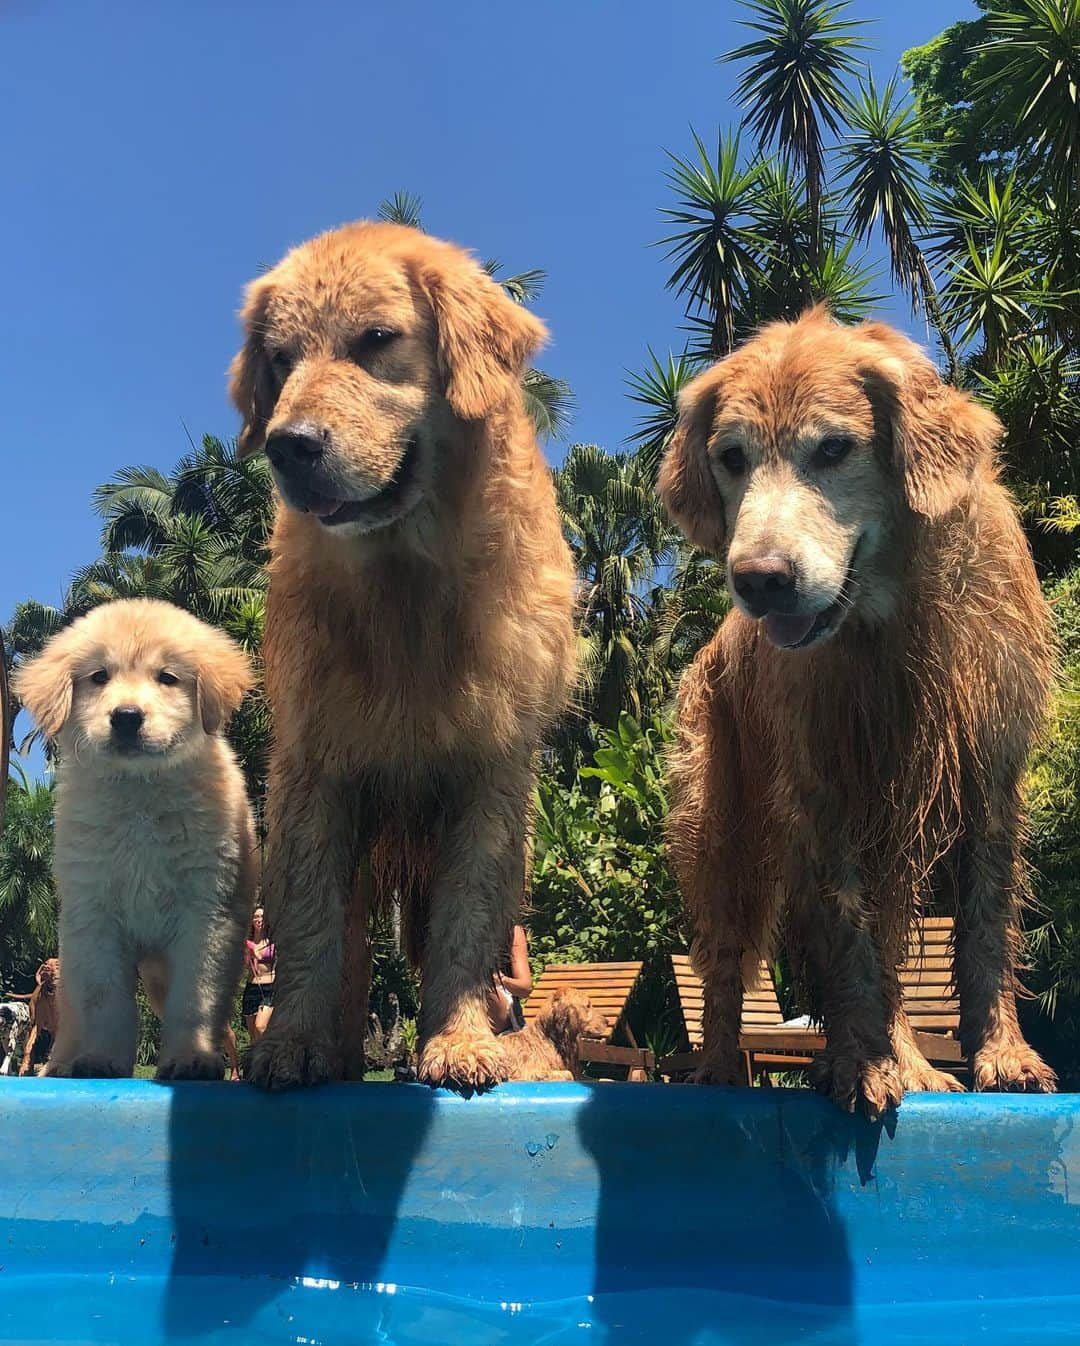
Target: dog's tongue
{"x":786,"y":630}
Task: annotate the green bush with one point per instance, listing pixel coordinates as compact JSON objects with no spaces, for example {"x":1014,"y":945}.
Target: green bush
{"x":1054,"y":800}
{"x":602,"y":889}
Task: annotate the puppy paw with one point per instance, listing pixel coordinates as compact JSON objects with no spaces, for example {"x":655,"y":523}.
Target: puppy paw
{"x":925,"y":1079}
{"x":291,"y":1061}
{"x":463,"y":1061}
{"x":88,"y":1066}
{"x":853,"y":1081}
{"x":1012,"y":1067}
{"x":191,"y":1065}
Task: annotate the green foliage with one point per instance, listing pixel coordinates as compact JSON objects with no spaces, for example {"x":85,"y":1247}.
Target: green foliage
{"x":601,"y":886}
{"x":1054,"y":800}
{"x":28,"y":902}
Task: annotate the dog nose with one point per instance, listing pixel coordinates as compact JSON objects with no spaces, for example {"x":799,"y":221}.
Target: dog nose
{"x":126,"y":721}
{"x":765,"y":583}
{"x":296,"y":446}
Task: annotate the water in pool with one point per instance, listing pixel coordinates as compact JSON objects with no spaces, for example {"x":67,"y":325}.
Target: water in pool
{"x":132,"y":1311}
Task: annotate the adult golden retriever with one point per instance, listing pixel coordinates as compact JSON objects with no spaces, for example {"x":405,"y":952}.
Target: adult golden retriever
{"x":852,"y":740}
{"x":547,"y":1048}
{"x":419,"y":633}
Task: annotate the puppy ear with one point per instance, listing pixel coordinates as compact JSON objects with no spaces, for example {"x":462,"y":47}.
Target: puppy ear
{"x":223,"y":675}
{"x":45,"y":684}
{"x":937,"y":436}
{"x":251,"y":380}
{"x":686,"y":482}
{"x":483,"y":339}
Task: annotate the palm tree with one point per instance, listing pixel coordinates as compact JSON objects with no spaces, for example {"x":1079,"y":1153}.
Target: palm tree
{"x":990,"y":294}
{"x":1032,"y":82}
{"x":619,"y":534}
{"x":885,"y":152}
{"x":28,"y":903}
{"x":794,"y":87}
{"x":657,"y":389}
{"x":715,"y":248}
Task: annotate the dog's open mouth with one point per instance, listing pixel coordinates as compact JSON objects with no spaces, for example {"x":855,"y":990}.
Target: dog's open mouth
{"x":795,"y":631}
{"x":383,"y":506}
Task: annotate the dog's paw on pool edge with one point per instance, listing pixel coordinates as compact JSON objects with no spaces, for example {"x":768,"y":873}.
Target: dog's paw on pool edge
{"x":1014,"y":1068}
{"x":291,"y":1061}
{"x":468,"y":1063}
{"x":869,"y":1083}
{"x":193,"y":1065}
{"x":87,"y":1066}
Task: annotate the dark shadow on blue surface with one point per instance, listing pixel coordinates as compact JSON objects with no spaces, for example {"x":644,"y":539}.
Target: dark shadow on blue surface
{"x":756,"y":1219}
{"x":302,"y":1185}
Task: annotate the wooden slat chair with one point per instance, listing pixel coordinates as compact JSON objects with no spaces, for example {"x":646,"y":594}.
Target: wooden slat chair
{"x":764,"y":1044}
{"x":926,"y":983}
{"x":608,"y":986}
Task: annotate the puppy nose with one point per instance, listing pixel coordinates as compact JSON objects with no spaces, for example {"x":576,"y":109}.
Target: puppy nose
{"x":765,"y":583}
{"x":126,"y":721}
{"x":296,"y":446}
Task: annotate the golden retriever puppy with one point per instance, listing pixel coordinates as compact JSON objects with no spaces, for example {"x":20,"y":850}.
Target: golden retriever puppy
{"x":419,"y":632}
{"x":155,"y":850}
{"x":852,"y":741}
{"x":547,"y":1049}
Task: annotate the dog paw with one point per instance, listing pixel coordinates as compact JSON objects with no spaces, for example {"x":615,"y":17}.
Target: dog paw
{"x":191,"y":1065}
{"x":291,"y":1061}
{"x":87,"y":1066}
{"x":852,"y":1081}
{"x":719,"y":1071}
{"x":925,"y":1079}
{"x":463,"y":1061}
{"x":1012,"y":1067}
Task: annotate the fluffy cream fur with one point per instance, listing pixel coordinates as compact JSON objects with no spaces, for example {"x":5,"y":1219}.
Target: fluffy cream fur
{"x":155,"y":850}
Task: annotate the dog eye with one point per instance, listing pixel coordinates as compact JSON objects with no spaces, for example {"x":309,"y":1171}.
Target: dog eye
{"x":375,"y":338}
{"x":833,"y":449}
{"x":100,"y":677}
{"x":167,"y":679}
{"x":734,"y":459}
{"x":281,"y":362}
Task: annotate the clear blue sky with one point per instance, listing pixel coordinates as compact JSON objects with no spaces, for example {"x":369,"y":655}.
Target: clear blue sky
{"x":154,"y":155}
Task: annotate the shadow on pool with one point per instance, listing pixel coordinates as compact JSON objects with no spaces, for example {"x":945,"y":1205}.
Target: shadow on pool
{"x":758,"y":1223}
{"x":314,"y":1183}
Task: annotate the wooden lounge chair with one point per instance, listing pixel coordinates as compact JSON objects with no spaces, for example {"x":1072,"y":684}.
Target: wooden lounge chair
{"x":930,"y":1001}
{"x":608,"y":986}
{"x":925,"y":982}
{"x":765,"y":1045}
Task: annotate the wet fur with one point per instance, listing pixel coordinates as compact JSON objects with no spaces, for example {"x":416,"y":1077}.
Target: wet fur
{"x":412,"y":669}
{"x":547,"y":1049}
{"x":832,"y":792}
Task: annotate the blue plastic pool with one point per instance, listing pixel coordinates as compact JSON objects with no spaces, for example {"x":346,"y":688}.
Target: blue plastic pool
{"x":132,"y":1213}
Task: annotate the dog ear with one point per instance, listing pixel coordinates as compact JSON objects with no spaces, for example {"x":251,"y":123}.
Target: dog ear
{"x":483,"y":339}
{"x":686,"y":482}
{"x":223,"y":674}
{"x":45,"y":684}
{"x":251,"y":381}
{"x":937,"y":436}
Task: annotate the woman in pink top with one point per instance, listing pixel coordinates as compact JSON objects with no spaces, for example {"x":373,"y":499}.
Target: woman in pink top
{"x":259,"y":956}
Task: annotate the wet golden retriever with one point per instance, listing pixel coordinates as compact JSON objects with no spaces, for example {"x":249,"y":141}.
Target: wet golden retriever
{"x":155,"y":851}
{"x":547,"y":1048}
{"x":852,"y":740}
{"x":419,"y":632}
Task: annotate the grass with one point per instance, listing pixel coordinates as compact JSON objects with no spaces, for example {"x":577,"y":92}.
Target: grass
{"x":373,"y":1076}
